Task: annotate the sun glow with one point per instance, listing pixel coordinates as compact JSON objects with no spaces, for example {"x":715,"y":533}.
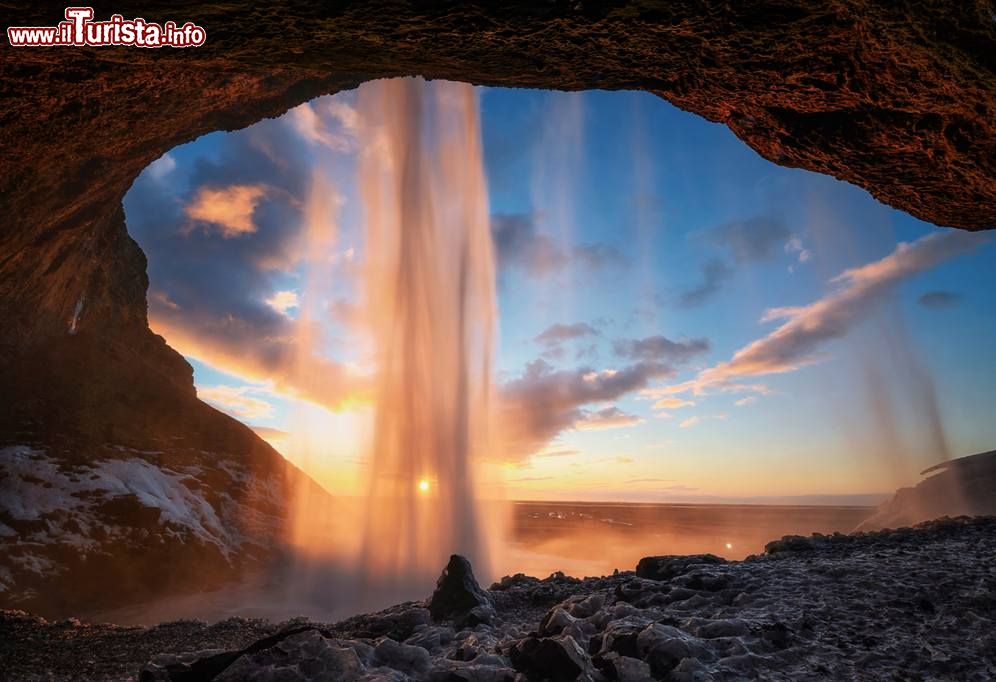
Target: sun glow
{"x":423,"y":486}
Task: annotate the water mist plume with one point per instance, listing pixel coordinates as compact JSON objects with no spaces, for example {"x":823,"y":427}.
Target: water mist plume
{"x":431,"y":312}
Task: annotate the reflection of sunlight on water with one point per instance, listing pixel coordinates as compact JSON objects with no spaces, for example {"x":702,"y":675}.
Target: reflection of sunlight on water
{"x":589,"y":539}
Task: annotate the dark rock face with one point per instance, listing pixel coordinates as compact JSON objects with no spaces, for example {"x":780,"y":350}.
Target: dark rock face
{"x":667,"y":567}
{"x":962,"y":486}
{"x":458,"y":597}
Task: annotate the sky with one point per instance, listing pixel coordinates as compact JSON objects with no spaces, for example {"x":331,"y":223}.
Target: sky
{"x":679,"y":319}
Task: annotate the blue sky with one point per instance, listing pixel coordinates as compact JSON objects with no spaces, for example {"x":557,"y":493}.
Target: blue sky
{"x":624,"y":221}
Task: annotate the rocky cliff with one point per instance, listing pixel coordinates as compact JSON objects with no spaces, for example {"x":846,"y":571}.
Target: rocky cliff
{"x":962,"y":486}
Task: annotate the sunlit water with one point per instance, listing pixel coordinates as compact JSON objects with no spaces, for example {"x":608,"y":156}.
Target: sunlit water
{"x":429,"y":311}
{"x":430,"y":283}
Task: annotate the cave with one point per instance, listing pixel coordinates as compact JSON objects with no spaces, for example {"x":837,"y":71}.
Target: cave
{"x":899,"y":101}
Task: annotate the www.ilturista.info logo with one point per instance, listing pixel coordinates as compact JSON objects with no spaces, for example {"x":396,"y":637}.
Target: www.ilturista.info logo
{"x":80,"y":29}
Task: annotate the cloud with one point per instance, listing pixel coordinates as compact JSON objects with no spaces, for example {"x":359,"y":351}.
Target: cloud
{"x":519,"y":244}
{"x":858,"y":291}
{"x":307,"y":122}
{"x":698,"y":419}
{"x":747,"y":241}
{"x":606,"y":418}
{"x":558,"y":453}
{"x":236,"y":401}
{"x":345,"y":114}
{"x":528,"y":479}
{"x":230,"y":209}
{"x":161,"y":167}
{"x":208,"y":294}
{"x":558,"y":333}
{"x":714,"y":274}
{"x":744,"y":402}
{"x":542,"y":402}
{"x":672,"y":404}
{"x":795,"y":247}
{"x":751,"y":240}
{"x":659,"y":348}
{"x":697,"y":387}
{"x":282,"y":301}
{"x":673,"y":488}
{"x":938,"y":300}
{"x":599,"y":256}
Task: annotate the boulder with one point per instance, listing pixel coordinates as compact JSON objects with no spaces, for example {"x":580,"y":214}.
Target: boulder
{"x":623,"y":668}
{"x":306,"y":656}
{"x":620,"y":636}
{"x":458,"y":597}
{"x":411,"y":660}
{"x":431,"y":638}
{"x":664,"y":647}
{"x":667,"y":567}
{"x":558,"y":659}
{"x":555,"y":621}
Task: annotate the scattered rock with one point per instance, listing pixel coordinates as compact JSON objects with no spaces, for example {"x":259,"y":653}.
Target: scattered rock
{"x":412,"y":660}
{"x":431,"y":638}
{"x":790,"y":543}
{"x":555,"y":621}
{"x":663,"y":647}
{"x":623,"y":668}
{"x":398,"y":623}
{"x":667,"y":567}
{"x":306,"y":656}
{"x":620,"y":636}
{"x":559,"y":659}
{"x":733,"y":627}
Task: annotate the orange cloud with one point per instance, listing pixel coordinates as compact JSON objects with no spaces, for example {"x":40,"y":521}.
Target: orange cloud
{"x":672,"y":404}
{"x":797,"y":341}
{"x":695,"y":421}
{"x":279,"y":361}
{"x":230,"y":209}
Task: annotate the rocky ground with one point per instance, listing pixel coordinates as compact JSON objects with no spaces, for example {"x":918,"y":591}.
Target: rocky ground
{"x":912,"y":604}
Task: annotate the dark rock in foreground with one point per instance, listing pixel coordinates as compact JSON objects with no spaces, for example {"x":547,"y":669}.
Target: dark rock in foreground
{"x":914,"y":603}
{"x":458,"y":597}
{"x":667,"y":567}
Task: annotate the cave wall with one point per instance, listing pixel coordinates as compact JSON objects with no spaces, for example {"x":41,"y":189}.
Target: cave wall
{"x":897,"y":99}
